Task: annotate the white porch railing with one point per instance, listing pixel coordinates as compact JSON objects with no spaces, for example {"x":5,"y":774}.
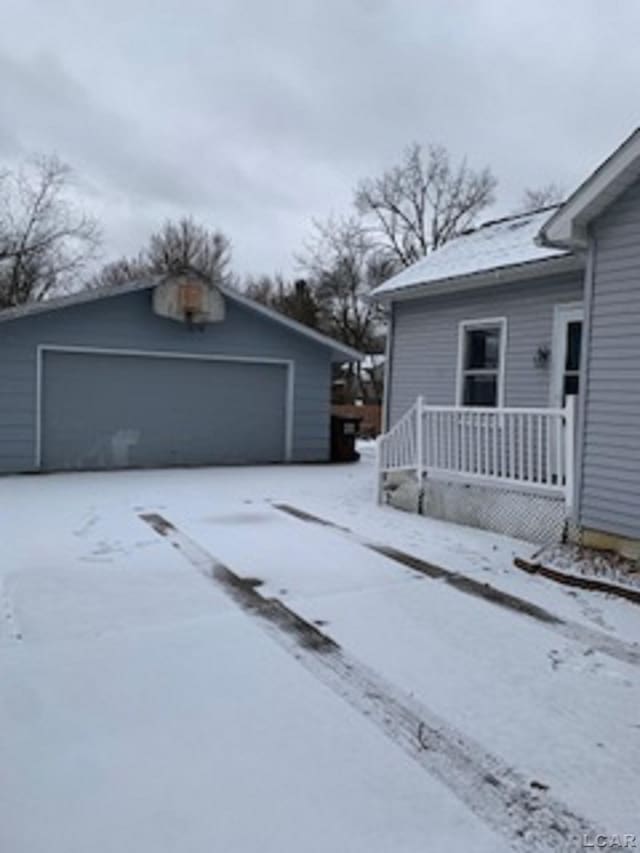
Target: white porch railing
{"x":527,"y":449}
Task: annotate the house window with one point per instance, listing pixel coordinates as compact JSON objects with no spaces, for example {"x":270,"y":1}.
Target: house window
{"x":566,"y":348}
{"x":481,"y":362}
{"x":572,"y":358}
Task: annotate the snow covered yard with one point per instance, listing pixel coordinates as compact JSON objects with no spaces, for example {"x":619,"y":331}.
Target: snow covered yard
{"x":146,"y":706}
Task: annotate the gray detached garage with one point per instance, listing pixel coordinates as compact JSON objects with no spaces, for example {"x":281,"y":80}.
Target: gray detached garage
{"x":154,"y":374}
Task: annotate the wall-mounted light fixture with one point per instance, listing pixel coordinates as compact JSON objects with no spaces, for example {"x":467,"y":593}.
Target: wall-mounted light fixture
{"x":542,"y":357}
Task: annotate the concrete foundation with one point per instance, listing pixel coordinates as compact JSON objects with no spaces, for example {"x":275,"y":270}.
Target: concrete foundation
{"x":629,"y":548}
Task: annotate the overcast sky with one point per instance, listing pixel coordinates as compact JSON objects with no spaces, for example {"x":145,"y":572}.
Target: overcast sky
{"x":256,"y":117}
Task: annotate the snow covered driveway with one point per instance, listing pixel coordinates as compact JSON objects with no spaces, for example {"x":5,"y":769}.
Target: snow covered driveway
{"x":148,"y":705}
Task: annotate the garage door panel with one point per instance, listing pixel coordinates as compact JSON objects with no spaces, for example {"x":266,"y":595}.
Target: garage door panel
{"x":113,"y":411}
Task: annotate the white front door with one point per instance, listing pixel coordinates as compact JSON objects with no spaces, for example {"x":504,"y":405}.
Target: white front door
{"x":565,"y":353}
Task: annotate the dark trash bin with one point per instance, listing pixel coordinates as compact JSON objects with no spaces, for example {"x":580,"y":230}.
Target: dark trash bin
{"x":344,"y":431}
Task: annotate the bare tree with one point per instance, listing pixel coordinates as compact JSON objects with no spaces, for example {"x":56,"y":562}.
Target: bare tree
{"x":179,"y":247}
{"x":186,"y":246}
{"x":265,"y":289}
{"x":119,"y":272}
{"x":45,"y":242}
{"x":344,"y":265}
{"x":294,"y":299}
{"x":534,"y":199}
{"x":422,"y":202}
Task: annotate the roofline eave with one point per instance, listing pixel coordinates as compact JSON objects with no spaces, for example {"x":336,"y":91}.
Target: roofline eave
{"x":567,"y":227}
{"x":571,"y":262}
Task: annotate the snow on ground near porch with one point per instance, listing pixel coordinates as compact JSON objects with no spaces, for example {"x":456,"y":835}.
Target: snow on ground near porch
{"x":139,"y":709}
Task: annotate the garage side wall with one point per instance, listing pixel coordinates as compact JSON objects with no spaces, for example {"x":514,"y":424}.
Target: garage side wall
{"x":128,"y":322}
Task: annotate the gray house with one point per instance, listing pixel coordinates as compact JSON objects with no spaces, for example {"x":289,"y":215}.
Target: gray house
{"x":513,"y":370}
{"x":161,"y":372}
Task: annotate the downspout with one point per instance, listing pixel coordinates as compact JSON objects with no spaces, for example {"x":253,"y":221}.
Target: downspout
{"x":386,"y":391}
{"x":585,"y":360}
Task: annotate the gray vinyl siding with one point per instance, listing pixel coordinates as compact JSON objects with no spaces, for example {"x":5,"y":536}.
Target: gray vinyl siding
{"x":425,"y":340}
{"x":610,"y":477}
{"x":127,"y":322}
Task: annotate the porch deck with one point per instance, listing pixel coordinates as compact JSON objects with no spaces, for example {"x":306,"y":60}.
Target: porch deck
{"x":521,"y":449}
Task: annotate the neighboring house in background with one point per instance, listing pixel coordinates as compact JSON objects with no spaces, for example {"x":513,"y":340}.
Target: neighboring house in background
{"x":161,"y":372}
{"x":498,"y":333}
{"x":372,"y":373}
{"x":361,"y":383}
{"x":358,"y":391}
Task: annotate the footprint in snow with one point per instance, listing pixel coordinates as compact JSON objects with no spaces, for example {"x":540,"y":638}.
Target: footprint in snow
{"x":556,"y":658}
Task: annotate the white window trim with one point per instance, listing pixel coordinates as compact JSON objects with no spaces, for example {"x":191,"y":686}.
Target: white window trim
{"x":481,"y":323}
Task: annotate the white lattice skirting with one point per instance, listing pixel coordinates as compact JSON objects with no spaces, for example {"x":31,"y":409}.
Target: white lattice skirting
{"x":535,"y":518}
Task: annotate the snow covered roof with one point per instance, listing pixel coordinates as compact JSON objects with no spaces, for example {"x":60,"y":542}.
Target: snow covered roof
{"x":339,"y":351}
{"x":492,"y":247}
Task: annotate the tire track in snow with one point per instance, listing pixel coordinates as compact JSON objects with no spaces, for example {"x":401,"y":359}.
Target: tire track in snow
{"x":523,"y":812}
{"x":590,"y":637}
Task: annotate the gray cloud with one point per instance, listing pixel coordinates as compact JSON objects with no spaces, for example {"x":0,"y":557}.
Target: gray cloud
{"x":255,"y":116}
